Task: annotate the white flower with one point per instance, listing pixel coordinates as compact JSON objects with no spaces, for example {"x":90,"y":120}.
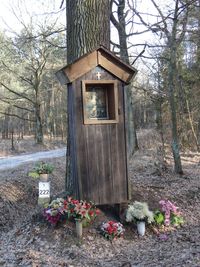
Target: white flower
{"x":139,"y":211}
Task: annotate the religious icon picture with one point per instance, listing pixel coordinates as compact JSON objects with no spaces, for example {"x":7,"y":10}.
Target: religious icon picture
{"x":96,"y":102}
{"x":100,"y":101}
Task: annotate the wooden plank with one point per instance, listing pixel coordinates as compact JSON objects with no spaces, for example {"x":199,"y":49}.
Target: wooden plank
{"x":125,"y":147}
{"x":106,"y":177}
{"x":115,"y":58}
{"x":82,"y":158}
{"x":117,"y":140}
{"x":80,"y":67}
{"x":101,"y":167}
{"x":116,"y":166}
{"x":62,"y":78}
{"x":121,"y":143}
{"x":116,"y":69}
{"x":72,"y":140}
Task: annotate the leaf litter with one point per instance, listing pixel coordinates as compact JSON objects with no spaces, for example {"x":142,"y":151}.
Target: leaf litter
{"x":27,"y":240}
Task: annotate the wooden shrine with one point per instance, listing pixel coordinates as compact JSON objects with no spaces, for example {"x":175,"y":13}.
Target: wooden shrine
{"x":97,"y":126}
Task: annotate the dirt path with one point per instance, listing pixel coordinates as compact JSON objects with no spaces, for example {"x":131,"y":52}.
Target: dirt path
{"x":15,"y":161}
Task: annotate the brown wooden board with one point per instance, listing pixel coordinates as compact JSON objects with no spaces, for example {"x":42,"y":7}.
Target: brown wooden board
{"x":82,"y":66}
{"x":72,"y":140}
{"x":116,"y":69}
{"x":102,"y":57}
{"x":100,"y":152}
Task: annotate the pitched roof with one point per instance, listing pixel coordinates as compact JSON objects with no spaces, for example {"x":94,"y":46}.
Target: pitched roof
{"x":99,"y":57}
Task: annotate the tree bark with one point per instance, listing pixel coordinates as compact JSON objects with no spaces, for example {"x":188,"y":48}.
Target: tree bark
{"x":88,"y":26}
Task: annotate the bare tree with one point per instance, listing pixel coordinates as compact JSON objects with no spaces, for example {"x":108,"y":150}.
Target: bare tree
{"x":120,"y":24}
{"x":31,"y":85}
{"x":171,"y":27}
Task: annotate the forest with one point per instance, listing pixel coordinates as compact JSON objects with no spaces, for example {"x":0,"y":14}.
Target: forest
{"x":158,"y":39}
{"x":164,"y":94}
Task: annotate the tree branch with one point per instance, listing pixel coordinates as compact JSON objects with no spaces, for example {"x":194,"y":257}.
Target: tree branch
{"x":16,"y":106}
{"x":139,"y":55}
{"x":16,"y":93}
{"x":14,"y":115}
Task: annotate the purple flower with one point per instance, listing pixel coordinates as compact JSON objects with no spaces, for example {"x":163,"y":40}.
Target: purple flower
{"x":163,"y":237}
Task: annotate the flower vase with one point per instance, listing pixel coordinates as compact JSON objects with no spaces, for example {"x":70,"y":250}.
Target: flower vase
{"x":44,"y":177}
{"x":79,"y":227}
{"x":141,"y":228}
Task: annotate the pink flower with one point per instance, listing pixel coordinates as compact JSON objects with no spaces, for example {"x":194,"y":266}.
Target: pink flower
{"x":167,"y":207}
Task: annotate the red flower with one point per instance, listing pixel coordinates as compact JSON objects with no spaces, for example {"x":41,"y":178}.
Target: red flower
{"x":87,"y":206}
{"x":109,"y":229}
{"x":97,"y":211}
{"x":91,"y":213}
{"x":75,"y":202}
{"x":83,"y":212}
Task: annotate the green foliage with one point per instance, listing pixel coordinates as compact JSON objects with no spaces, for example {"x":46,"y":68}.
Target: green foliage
{"x":159,"y":217}
{"x":41,"y":168}
{"x":168,"y":215}
{"x":33,"y":174}
{"x":176,"y":220}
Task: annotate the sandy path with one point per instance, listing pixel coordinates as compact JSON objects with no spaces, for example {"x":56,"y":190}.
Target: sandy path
{"x":14,"y":161}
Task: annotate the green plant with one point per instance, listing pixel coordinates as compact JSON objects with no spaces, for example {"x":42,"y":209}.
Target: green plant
{"x":41,"y":168}
{"x":139,"y":211}
{"x":159,"y":217}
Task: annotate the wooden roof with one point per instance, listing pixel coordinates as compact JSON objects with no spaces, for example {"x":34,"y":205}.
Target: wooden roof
{"x":99,"y":57}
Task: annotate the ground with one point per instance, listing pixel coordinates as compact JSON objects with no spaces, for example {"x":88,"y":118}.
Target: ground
{"x":27,"y":240}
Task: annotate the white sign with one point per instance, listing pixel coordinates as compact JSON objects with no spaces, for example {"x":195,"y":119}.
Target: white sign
{"x":44,"y":189}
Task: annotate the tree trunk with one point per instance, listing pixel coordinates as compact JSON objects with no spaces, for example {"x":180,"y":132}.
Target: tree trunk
{"x":88,"y":26}
{"x":38,"y":127}
{"x":12,"y":138}
{"x":132,"y":143}
{"x":171,"y":88}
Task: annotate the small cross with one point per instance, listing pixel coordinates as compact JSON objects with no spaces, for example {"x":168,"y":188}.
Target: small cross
{"x":98,"y":75}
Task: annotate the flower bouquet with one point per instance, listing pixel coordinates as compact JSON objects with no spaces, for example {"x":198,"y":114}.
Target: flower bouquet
{"x":168,"y":214}
{"x":139,"y":211}
{"x":70,"y":208}
{"x":85,"y":211}
{"x":54,"y":211}
{"x":81,"y":211}
{"x":112,"y":230}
